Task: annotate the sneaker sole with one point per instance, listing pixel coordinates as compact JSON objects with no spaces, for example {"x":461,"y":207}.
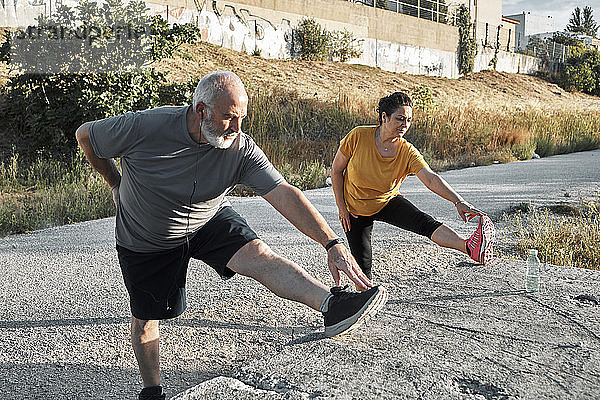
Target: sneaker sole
{"x":487,"y":238}
{"x":367,"y":311}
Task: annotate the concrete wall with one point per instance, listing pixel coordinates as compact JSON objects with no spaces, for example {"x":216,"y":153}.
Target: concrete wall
{"x":246,"y":27}
{"x":511,"y":35}
{"x":363,"y":21}
{"x":507,"y":62}
{"x":390,"y":41}
{"x":489,"y":11}
{"x":19,"y":13}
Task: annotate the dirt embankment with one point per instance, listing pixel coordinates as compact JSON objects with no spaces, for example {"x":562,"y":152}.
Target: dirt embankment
{"x":329,"y":80}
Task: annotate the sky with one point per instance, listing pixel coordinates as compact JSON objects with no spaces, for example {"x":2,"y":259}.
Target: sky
{"x":560,"y":10}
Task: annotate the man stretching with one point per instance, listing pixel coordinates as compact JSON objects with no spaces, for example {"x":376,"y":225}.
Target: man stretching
{"x":178,"y":163}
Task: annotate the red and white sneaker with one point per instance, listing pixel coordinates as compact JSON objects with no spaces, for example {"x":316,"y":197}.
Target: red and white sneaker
{"x":480,"y":246}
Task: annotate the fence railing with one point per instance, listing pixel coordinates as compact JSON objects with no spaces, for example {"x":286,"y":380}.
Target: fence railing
{"x":433,"y":10}
{"x":488,"y":35}
{"x":548,"y":50}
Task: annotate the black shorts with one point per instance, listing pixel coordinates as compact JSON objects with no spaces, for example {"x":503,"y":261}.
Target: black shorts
{"x":156,"y":281}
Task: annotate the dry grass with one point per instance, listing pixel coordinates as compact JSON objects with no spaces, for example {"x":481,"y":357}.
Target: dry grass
{"x":299,"y":111}
{"x":328,"y":81}
{"x":50,"y":193}
{"x":4,"y":73}
{"x":563,"y":235}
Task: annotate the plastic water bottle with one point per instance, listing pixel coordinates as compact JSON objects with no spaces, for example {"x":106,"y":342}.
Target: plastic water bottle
{"x":532,"y":276}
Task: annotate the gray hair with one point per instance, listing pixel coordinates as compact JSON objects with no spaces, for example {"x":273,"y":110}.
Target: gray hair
{"x":212,"y":84}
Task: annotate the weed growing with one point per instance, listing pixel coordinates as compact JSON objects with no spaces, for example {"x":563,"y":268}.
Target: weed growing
{"x":301,"y":136}
{"x":50,"y":192}
{"x":562,"y":234}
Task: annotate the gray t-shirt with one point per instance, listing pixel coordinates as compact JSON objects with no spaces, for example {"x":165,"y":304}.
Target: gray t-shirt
{"x":171,"y":185}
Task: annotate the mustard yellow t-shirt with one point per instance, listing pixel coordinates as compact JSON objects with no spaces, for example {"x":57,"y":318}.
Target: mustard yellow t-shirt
{"x":371,"y":180}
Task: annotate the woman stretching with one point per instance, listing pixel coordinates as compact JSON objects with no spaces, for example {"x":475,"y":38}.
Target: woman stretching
{"x":366,"y":174}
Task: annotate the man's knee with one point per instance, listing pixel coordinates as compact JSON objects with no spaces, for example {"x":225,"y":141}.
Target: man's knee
{"x":144,"y":331}
{"x":252,"y":255}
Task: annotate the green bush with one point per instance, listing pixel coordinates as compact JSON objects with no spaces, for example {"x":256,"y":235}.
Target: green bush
{"x":312,"y":40}
{"x":583,"y":71}
{"x":112,"y":37}
{"x":344,"y":46}
{"x":318,"y":44}
{"x":423,"y":99}
{"x":42,"y":112}
{"x":467,"y":46}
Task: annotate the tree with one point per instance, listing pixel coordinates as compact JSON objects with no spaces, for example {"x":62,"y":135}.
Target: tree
{"x":41,"y":110}
{"x":583,"y":71}
{"x":313,"y":40}
{"x":583,"y":22}
{"x":565,"y":39}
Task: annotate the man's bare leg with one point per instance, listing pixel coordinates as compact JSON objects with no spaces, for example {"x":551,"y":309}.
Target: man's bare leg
{"x":282,"y":277}
{"x":145,"y":342}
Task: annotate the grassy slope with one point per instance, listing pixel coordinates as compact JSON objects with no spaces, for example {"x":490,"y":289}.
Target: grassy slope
{"x":330,"y":80}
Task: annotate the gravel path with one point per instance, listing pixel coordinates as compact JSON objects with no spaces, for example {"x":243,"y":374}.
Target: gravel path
{"x":65,"y":319}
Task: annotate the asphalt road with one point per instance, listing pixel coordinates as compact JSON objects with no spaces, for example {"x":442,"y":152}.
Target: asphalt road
{"x":450,"y":330}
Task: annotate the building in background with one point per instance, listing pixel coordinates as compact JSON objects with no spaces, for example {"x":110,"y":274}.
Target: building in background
{"x":510,"y":27}
{"x":530,"y":24}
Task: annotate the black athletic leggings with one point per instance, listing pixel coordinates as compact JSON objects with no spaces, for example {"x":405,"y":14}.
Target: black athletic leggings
{"x":398,"y":212}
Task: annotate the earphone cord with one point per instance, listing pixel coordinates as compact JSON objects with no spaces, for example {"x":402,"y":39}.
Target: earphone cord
{"x":187,"y":228}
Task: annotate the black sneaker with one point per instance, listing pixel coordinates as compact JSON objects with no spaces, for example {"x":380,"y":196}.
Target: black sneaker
{"x":152,"y":393}
{"x":347,"y":310}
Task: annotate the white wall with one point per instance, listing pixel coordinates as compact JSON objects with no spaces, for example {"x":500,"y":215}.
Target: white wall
{"x":538,"y":24}
{"x":507,"y":62}
{"x":19,"y":13}
{"x":255,"y":32}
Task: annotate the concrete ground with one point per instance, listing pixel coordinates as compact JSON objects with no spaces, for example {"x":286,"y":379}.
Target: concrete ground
{"x":451,"y":329}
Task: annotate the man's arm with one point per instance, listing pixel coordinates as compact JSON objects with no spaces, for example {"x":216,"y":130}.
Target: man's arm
{"x":290,"y":202}
{"x":105,"y":167}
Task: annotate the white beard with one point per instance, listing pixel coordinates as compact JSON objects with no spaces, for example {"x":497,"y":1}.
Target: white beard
{"x":218,"y":141}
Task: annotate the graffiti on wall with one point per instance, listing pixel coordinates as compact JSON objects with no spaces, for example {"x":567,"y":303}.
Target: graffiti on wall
{"x":240,"y":30}
{"x":235,"y":27}
{"x":19,"y":13}
{"x":173,"y":15}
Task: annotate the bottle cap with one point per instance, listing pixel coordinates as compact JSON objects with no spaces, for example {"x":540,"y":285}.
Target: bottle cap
{"x":532,"y":252}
